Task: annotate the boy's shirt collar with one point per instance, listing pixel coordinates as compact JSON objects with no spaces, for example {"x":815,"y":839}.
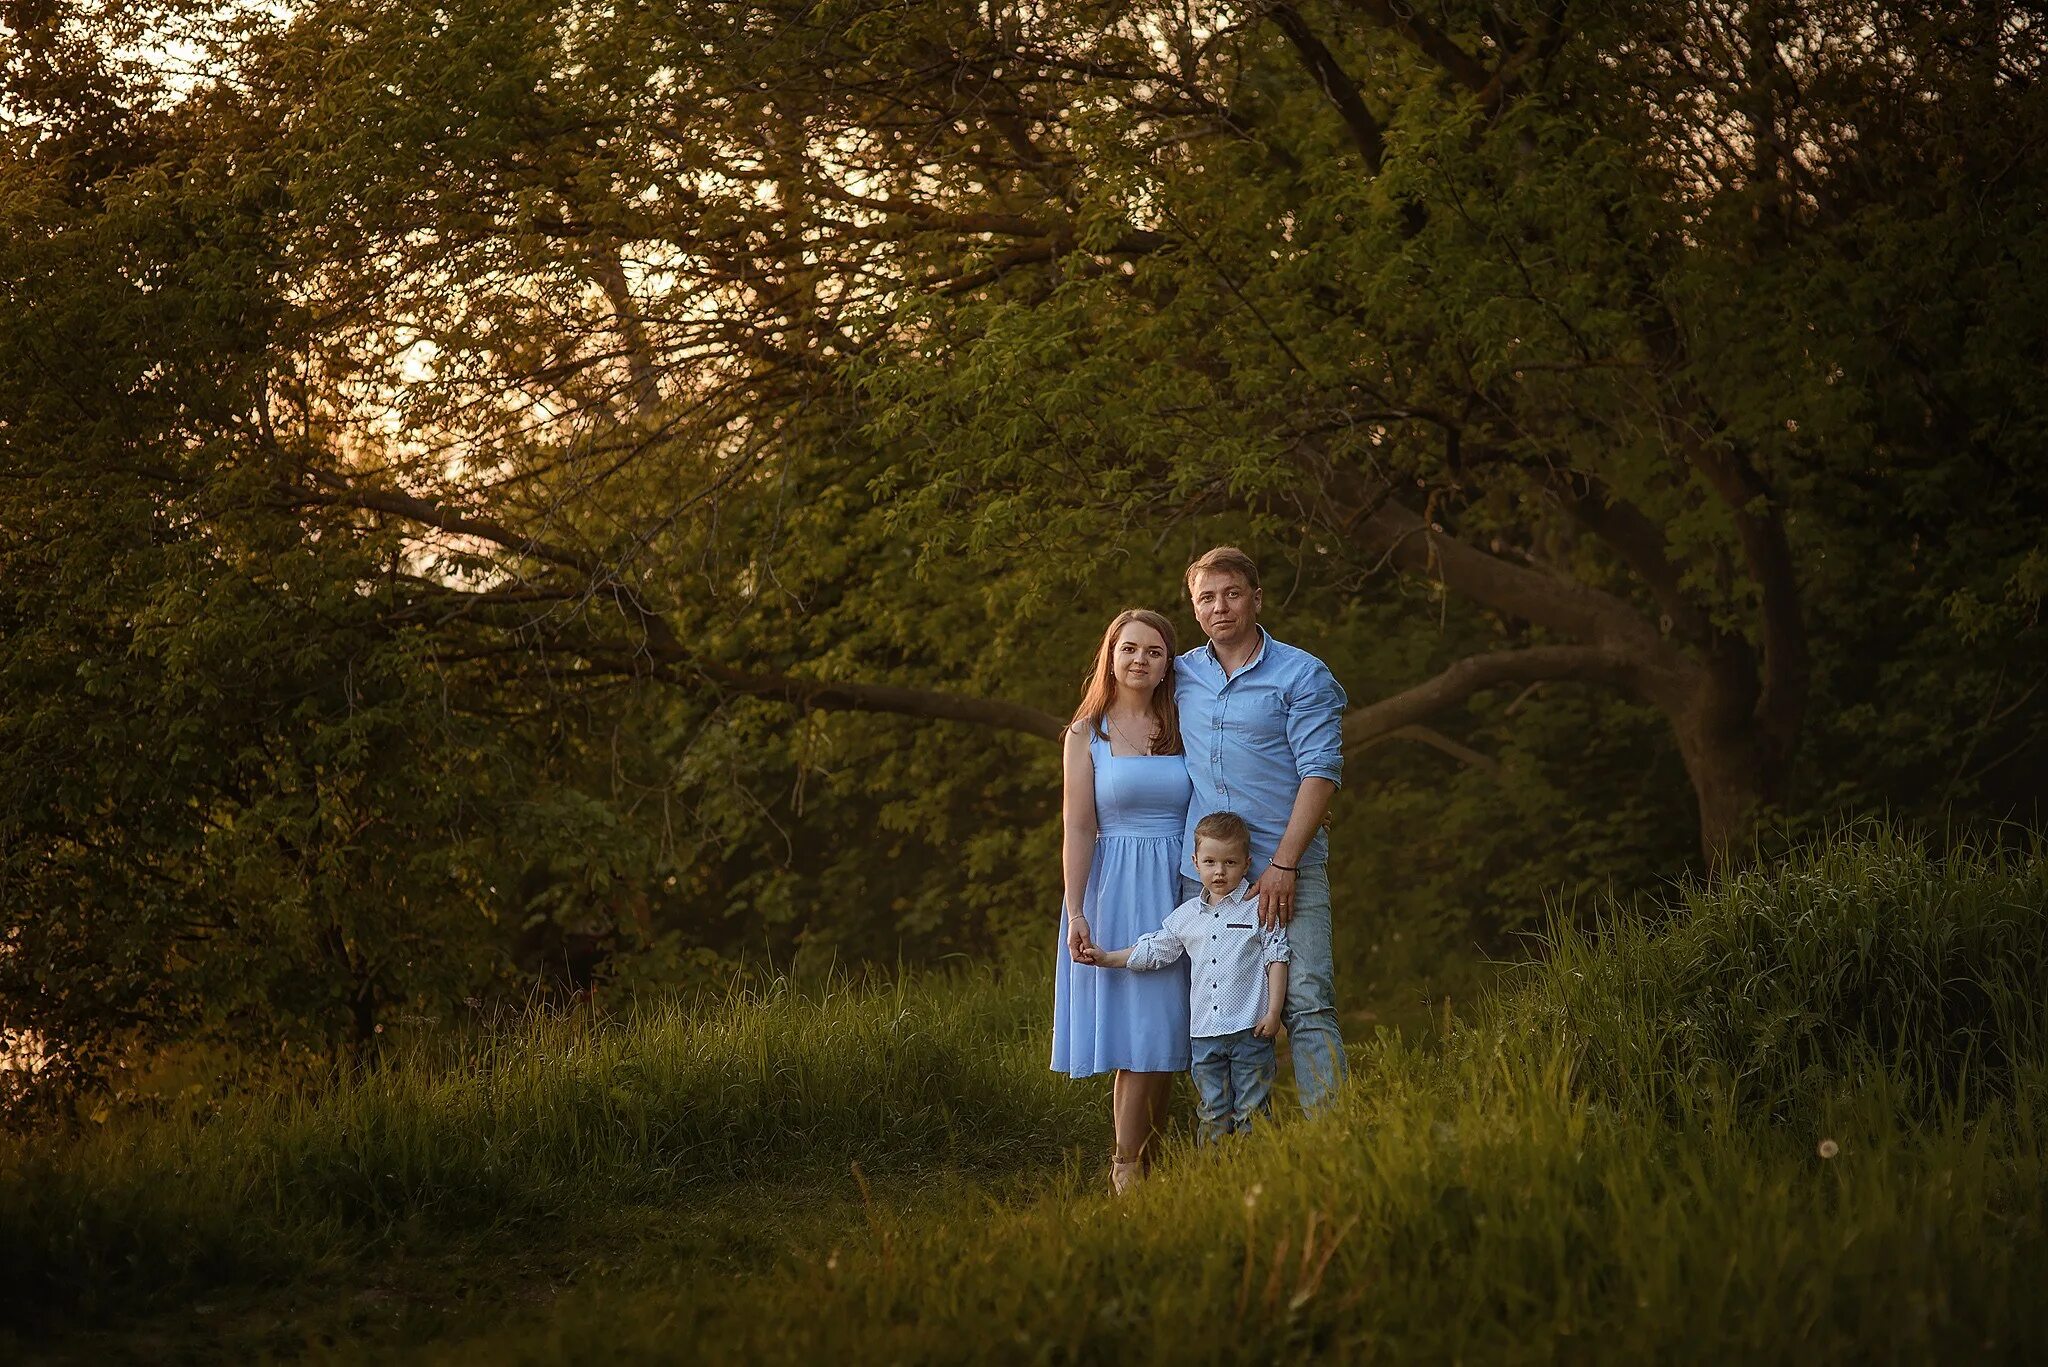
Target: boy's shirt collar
{"x":1235,"y":895}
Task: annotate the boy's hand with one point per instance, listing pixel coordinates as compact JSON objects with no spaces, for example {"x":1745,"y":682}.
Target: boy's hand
{"x":1267,"y":1028}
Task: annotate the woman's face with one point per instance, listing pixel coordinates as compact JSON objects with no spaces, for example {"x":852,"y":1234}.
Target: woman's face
{"x":1139,"y":660}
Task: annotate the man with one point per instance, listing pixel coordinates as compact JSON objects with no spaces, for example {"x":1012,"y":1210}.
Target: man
{"x":1262,"y":724}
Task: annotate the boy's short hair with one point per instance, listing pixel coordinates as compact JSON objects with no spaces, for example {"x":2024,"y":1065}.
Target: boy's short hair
{"x":1225,"y":826}
{"x":1228,"y":559}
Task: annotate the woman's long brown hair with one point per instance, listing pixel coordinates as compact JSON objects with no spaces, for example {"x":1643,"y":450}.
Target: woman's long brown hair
{"x":1101,"y":689}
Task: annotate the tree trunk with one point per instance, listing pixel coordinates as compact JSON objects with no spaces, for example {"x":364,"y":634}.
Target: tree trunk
{"x":1733,"y":772}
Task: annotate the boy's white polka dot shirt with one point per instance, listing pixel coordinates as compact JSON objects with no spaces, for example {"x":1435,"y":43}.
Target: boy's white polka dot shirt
{"x":1228,"y":954}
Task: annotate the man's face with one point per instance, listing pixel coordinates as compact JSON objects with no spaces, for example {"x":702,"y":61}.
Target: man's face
{"x":1226,"y":608}
{"x":1221,"y":863}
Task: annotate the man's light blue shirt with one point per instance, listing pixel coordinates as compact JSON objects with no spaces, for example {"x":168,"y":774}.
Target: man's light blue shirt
{"x":1253,"y":736}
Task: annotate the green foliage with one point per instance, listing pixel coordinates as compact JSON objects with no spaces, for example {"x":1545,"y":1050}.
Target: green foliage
{"x":221,"y":767}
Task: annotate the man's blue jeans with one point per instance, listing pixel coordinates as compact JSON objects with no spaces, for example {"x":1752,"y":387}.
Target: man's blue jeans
{"x":1311,"y":1010}
{"x":1233,"y":1082}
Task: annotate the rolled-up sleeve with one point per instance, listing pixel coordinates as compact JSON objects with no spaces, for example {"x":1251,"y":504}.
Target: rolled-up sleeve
{"x":1156,"y":950}
{"x":1276,"y":949}
{"x":1315,"y":725}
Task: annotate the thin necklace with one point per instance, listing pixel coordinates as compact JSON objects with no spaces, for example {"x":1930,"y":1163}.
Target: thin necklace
{"x":1146,"y":749}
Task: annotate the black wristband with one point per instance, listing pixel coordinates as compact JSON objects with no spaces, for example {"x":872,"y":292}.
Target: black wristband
{"x":1284,"y":868}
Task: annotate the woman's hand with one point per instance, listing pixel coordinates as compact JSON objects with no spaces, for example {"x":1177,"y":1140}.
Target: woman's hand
{"x":1079,"y":943}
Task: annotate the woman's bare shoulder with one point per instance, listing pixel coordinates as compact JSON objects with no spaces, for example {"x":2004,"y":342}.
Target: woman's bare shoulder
{"x":1074,"y":742}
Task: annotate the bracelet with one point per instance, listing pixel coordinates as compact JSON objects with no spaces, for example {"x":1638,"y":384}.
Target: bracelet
{"x":1284,"y":868}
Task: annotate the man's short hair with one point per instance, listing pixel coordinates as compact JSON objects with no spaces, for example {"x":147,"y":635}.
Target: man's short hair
{"x":1228,"y":559}
{"x":1225,"y":826}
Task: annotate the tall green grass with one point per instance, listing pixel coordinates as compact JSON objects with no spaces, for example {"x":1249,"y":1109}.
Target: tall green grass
{"x":1862,"y":960}
{"x":1481,"y":1211}
{"x":548,"y":1121}
{"x":1800,"y":1120}
{"x":1797,"y":1116}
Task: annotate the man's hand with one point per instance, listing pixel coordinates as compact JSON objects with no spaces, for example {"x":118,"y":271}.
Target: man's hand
{"x":1276,"y":897}
{"x":1080,"y":946}
{"x":1268,"y":1027}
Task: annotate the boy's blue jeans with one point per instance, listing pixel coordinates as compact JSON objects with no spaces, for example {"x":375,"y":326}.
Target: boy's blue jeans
{"x":1233,"y":1079}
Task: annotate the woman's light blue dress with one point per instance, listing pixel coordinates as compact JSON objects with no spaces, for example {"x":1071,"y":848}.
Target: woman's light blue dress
{"x":1105,"y":1018}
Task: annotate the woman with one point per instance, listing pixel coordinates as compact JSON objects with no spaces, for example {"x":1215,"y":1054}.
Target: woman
{"x":1126,"y":803}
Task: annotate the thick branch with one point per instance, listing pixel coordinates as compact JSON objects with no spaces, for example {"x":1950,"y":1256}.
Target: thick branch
{"x":1475,"y":673}
{"x":907,"y":702}
{"x":1436,"y":740}
{"x":1594,"y":618}
{"x":1337,"y":84}
{"x":673,"y":665}
{"x":1640,"y":543}
{"x":640,"y":362}
{"x":1460,"y":65}
{"x":440,"y":516}
{"x":660,"y":652}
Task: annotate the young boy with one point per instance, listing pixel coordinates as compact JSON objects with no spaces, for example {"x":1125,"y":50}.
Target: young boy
{"x":1240,"y":977}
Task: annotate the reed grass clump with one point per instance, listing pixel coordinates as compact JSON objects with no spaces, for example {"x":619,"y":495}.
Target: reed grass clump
{"x":1863,"y":960}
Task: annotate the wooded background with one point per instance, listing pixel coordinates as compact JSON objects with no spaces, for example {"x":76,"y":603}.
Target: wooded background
{"x":510,"y":492}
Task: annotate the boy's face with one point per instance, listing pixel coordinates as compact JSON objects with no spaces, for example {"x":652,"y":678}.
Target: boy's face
{"x":1221,"y":863}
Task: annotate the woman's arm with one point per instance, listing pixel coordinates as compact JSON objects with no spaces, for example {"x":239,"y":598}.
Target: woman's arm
{"x":1077,"y":838}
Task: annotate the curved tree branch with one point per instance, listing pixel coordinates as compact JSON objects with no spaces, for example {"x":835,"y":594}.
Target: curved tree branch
{"x":839,"y":696}
{"x":1337,"y":85}
{"x":1641,"y":545}
{"x":1475,"y":673}
{"x":1364,"y":508}
{"x":1460,"y":65}
{"x":428,"y":513}
{"x":1436,"y":740}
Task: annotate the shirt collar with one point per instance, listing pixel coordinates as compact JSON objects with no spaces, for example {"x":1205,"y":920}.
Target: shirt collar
{"x":1236,"y":894}
{"x":1265,"y":639}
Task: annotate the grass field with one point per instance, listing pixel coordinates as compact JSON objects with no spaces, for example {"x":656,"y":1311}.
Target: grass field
{"x":1796,"y":1117}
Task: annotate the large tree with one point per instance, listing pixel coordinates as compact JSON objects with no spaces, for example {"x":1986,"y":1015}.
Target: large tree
{"x":1584,"y":316}
{"x":630,"y":417}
